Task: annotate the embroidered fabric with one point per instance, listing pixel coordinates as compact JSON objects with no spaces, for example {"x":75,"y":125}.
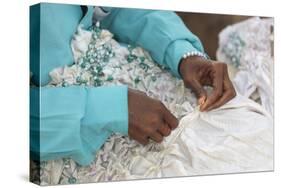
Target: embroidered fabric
{"x":248,"y":48}
{"x":237,"y":137}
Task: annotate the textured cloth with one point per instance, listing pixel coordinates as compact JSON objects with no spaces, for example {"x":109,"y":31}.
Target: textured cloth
{"x":237,"y":137}
{"x":248,"y":48}
{"x":75,"y":121}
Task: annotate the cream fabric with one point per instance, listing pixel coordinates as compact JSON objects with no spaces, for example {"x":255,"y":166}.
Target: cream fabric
{"x":234,"y":138}
{"x":248,"y":48}
{"x":238,"y":137}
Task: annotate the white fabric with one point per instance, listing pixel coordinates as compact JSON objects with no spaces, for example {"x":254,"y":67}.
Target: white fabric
{"x":234,"y":138}
{"x":238,"y":137}
{"x":248,"y":47}
{"x":80,"y":46}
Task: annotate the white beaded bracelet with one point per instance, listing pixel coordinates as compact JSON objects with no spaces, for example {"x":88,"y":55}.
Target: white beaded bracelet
{"x":193,"y":53}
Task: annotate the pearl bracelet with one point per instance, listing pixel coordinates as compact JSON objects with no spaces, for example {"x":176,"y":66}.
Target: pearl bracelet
{"x":193,"y":53}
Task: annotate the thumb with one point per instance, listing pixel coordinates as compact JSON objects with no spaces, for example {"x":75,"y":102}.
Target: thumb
{"x":199,"y":91}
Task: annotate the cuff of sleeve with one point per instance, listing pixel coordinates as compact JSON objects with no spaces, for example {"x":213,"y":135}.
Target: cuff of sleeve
{"x":86,"y":21}
{"x":107,"y":109}
{"x":175,"y":52}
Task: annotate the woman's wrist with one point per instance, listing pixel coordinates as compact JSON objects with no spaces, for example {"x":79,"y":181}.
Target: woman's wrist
{"x":185,"y":62}
{"x":194,"y":53}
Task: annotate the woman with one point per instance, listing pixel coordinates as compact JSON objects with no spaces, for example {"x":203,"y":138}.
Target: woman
{"x":75,"y":121}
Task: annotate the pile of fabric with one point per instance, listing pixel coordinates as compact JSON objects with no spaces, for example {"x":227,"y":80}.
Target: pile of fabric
{"x":247,"y":47}
{"x":238,"y":137}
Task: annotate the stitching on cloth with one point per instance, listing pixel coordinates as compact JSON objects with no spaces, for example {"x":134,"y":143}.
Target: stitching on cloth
{"x":141,"y":73}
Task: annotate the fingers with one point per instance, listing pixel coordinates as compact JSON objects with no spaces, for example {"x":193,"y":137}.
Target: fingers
{"x":229,"y":92}
{"x":217,"y":92}
{"x":141,"y":138}
{"x":228,"y":95}
{"x":170,"y":119}
{"x":199,"y":91}
{"x":157,"y":137}
{"x":164,"y":130}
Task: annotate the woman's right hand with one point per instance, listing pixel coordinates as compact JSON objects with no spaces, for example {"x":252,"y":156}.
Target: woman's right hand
{"x":148,"y":118}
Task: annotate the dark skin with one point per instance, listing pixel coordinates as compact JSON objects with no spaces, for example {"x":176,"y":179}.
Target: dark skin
{"x":150,"y":119}
{"x":197,"y":72}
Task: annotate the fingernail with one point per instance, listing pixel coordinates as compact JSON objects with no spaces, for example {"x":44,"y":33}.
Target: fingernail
{"x":201,"y":100}
{"x":201,"y":108}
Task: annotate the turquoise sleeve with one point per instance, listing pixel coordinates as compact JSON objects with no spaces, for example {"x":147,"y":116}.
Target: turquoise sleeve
{"x":69,"y":121}
{"x":75,"y":121}
{"x":162,"y":33}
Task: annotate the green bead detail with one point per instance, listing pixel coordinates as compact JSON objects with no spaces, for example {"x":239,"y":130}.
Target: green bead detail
{"x":72,"y":180}
{"x":153,"y":78}
{"x":83,"y":65}
{"x":109,"y":78}
{"x":99,"y":69}
{"x":97,"y":82}
{"x":142,"y":59}
{"x":137,"y":80}
{"x":144,"y":66}
{"x":64,"y":84}
{"x":131,"y":58}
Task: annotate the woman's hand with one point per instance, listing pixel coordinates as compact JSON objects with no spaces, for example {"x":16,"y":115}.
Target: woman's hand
{"x":197,"y":72}
{"x":148,"y":118}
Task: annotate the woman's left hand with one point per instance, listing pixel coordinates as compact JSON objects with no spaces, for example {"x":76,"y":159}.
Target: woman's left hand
{"x":197,"y":71}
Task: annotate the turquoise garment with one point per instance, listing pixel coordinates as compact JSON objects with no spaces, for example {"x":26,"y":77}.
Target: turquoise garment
{"x":75,"y":121}
{"x":162,"y":33}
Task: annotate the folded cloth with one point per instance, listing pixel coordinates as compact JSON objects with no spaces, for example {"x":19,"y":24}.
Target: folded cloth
{"x":237,"y":137}
{"x":248,"y":48}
